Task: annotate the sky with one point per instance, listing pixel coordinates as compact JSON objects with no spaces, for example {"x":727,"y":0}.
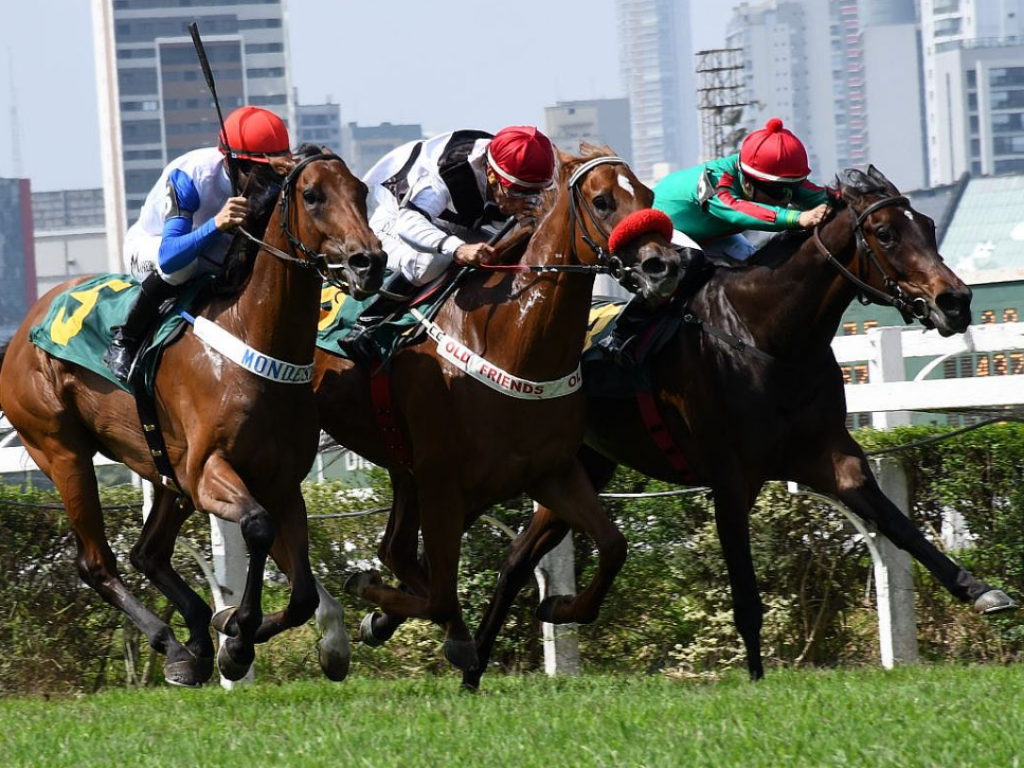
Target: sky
{"x":446,"y":64}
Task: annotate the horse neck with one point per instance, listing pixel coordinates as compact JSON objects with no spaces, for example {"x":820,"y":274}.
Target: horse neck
{"x":552,"y":308}
{"x":803,"y":300}
{"x":276,"y":310}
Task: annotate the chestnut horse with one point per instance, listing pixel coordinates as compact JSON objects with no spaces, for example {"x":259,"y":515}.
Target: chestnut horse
{"x":472,"y":446}
{"x":239,"y":444}
{"x":742,"y":419}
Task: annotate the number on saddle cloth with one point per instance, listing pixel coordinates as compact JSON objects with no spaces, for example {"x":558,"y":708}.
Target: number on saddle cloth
{"x":78,"y":326}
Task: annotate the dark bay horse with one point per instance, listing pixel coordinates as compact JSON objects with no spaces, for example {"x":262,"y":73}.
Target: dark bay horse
{"x":239,"y":444}
{"x":741,"y":419}
{"x":472,"y":446}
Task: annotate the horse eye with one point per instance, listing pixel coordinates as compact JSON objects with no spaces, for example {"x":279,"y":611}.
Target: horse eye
{"x":311,"y":196}
{"x":602,"y":203}
{"x":884,"y":235}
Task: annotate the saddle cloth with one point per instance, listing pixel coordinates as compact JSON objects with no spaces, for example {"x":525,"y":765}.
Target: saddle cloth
{"x":78,"y":326}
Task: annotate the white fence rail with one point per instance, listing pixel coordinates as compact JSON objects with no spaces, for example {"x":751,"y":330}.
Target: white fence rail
{"x":888,"y":397}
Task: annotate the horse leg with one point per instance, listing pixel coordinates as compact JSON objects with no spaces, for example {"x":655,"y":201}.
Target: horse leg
{"x":573,"y":500}
{"x":76,"y":481}
{"x":152,"y":556}
{"x":221,"y":491}
{"x":732,"y":519}
{"x":542,"y":534}
{"x":290,"y":551}
{"x":852,"y":482}
{"x":398,"y":551}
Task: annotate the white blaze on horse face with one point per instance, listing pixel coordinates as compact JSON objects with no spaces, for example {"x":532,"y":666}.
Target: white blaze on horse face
{"x":909,"y":215}
{"x":624,"y":183}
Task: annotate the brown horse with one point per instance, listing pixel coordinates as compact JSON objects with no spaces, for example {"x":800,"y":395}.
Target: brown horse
{"x":472,"y":446}
{"x":239,"y":444}
{"x":742,"y":419}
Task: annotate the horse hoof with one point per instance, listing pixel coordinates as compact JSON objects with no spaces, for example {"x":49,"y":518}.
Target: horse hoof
{"x":368,"y":635}
{"x":471,"y":681}
{"x":553,"y":609}
{"x":221,"y":621}
{"x":333,"y":664}
{"x":229,"y":668}
{"x":461,"y":654}
{"x":357,"y":582}
{"x":186,"y":674}
{"x":995,"y":601}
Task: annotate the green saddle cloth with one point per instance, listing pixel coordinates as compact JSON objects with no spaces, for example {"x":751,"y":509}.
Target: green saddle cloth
{"x":338,"y":315}
{"x":79,"y":326}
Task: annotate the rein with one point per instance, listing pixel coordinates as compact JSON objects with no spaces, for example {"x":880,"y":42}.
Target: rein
{"x":917,"y":308}
{"x":313,"y":260}
{"x":607,"y":264}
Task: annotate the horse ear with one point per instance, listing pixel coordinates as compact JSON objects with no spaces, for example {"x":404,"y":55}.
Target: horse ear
{"x":564,"y":158}
{"x":854,"y":183}
{"x":878,"y":176}
{"x":586,"y":148}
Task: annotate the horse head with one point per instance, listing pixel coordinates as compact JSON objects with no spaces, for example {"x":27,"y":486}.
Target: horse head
{"x":323,"y":215}
{"x":899,"y":256}
{"x":612,"y":223}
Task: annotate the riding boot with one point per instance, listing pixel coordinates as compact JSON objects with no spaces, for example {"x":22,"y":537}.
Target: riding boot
{"x":358,"y":343}
{"x":620,"y":345}
{"x":125,"y":344}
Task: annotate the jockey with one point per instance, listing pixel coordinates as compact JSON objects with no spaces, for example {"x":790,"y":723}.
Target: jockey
{"x":764,"y":187}
{"x":184,"y":226}
{"x":429,"y":191}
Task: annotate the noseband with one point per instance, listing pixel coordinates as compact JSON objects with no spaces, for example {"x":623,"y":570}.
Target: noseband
{"x":313,"y":260}
{"x":916,"y":308}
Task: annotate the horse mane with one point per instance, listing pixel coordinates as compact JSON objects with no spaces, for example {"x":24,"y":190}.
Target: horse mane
{"x":262,"y":192}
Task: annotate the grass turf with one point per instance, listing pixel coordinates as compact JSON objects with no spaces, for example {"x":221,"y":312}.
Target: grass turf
{"x":918,"y":716}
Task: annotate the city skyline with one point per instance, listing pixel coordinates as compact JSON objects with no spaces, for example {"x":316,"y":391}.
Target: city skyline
{"x":57,"y":106}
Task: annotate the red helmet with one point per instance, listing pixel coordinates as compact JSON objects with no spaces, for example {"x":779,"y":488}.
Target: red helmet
{"x":774,"y":154}
{"x":522,"y":156}
{"x":254,"y":134}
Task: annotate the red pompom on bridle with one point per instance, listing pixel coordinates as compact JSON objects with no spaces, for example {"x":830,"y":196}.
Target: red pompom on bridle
{"x":640,"y":223}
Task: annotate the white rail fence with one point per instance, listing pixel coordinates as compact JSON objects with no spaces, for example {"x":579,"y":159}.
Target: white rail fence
{"x":888,"y":397}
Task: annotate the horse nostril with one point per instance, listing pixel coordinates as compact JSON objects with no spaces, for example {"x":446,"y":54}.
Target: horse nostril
{"x":953,"y":302}
{"x":360,"y":262}
{"x":654,"y":267}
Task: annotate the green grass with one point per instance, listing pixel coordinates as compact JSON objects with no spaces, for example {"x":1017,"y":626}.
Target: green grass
{"x":927,"y":716}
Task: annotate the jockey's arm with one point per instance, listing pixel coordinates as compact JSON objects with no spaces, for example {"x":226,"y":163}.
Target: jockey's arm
{"x":426,"y":200}
{"x":809,"y":195}
{"x":746,"y":214}
{"x":179,"y":243}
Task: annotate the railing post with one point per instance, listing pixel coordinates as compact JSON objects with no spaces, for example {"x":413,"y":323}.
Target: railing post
{"x":230,"y":564}
{"x":894,"y":577}
{"x":886,"y":366}
{"x":556,"y":575}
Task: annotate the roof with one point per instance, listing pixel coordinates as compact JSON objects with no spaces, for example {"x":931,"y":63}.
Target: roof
{"x":984,"y":242}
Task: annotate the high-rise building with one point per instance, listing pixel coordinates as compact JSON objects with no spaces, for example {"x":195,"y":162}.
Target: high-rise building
{"x":825,"y":67}
{"x":597,"y":121}
{"x":163,"y":106}
{"x":70,"y":235}
{"x":974,"y":82}
{"x":366,"y":144}
{"x":656,"y":63}
{"x":17,"y":255}
{"x":319,"y":124}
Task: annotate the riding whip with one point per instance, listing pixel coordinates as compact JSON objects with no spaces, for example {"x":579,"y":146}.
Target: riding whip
{"x":204,"y":64}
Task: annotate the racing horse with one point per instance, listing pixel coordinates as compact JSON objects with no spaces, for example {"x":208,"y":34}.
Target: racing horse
{"x":469,"y":441}
{"x":238,"y":444}
{"x":737,"y":419}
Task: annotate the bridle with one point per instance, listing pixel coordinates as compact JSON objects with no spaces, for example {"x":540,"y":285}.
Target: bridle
{"x":312,"y":260}
{"x":607,"y":263}
{"x":915,"y":308}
